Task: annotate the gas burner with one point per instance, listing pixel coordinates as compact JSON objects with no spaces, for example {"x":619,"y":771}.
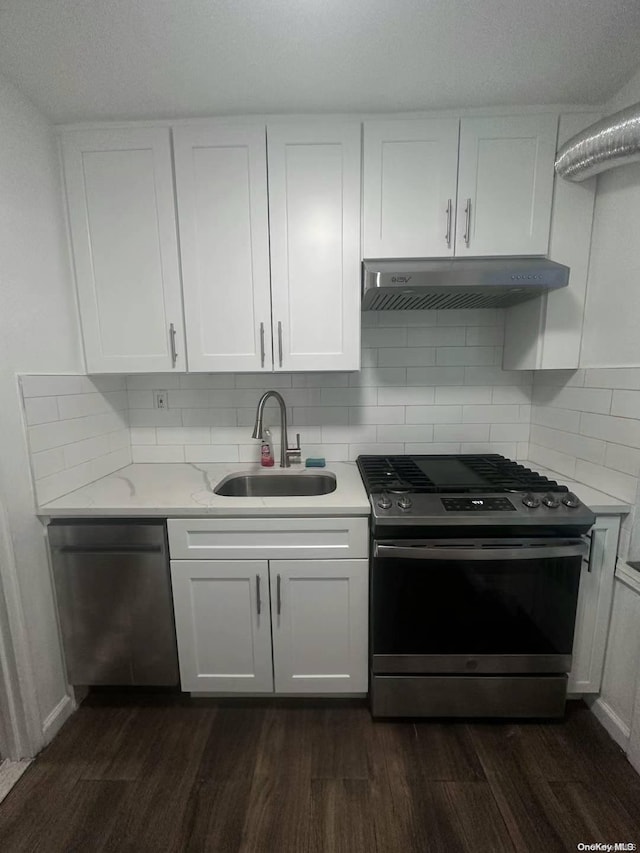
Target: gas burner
{"x":471,"y":493}
{"x":457,"y":474}
{"x":397,"y":487}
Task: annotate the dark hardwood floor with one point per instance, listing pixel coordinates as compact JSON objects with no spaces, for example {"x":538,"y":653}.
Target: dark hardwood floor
{"x":165,"y":773}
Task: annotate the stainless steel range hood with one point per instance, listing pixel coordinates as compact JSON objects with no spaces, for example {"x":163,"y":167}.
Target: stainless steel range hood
{"x":392,"y":285}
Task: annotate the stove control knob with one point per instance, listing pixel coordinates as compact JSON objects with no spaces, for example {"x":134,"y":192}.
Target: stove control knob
{"x":571,"y":500}
{"x":551,"y":501}
{"x":531,"y":501}
{"x":405,"y":502}
{"x":384,"y":501}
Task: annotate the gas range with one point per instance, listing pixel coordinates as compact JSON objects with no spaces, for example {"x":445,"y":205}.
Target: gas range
{"x":474,"y":575}
{"x":486,"y":492}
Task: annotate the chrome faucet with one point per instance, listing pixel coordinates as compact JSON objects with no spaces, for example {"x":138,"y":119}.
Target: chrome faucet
{"x":286,"y":453}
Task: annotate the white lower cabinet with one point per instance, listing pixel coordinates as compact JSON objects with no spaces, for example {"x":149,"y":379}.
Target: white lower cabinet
{"x":319,"y":617}
{"x":223,"y":624}
{"x":594,"y":607}
{"x":228,"y":610}
{"x":618,"y":705}
{"x":294,"y":625}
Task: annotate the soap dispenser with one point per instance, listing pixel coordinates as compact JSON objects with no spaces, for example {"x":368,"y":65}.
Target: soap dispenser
{"x":266,"y":451}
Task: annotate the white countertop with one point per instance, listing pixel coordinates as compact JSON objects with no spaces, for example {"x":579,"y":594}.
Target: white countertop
{"x":186,"y":489}
{"x":599,"y":502}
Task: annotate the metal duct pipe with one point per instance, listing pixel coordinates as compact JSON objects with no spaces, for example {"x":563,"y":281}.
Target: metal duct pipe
{"x":613,"y":141}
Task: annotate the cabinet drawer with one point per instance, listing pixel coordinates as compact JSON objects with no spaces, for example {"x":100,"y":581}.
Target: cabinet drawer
{"x":267,"y":538}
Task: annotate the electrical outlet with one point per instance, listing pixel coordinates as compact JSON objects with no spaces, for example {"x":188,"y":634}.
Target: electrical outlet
{"x":160,"y":400}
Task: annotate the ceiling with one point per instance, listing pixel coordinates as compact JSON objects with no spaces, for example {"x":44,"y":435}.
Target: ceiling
{"x":122,"y":59}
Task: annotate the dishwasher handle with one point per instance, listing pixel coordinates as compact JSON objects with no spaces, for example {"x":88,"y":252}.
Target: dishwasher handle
{"x":130,"y":549}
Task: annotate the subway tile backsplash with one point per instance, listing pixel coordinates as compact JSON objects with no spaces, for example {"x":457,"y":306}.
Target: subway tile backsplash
{"x":77,"y":430}
{"x":580,"y":431}
{"x":585,"y":424}
{"x":426,"y":377}
{"x":431,"y":382}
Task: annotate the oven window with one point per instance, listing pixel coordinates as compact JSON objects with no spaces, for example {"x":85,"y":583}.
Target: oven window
{"x":506,"y":606}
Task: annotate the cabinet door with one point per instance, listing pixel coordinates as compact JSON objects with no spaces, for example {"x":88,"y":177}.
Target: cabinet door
{"x":594,"y":607}
{"x":123,"y":230}
{"x":546,"y":333}
{"x":221,"y":185}
{"x":223,"y":625}
{"x":319,"y":611}
{"x":409,"y":190}
{"x":633,"y":752}
{"x":505,"y":185}
{"x":314,"y":221}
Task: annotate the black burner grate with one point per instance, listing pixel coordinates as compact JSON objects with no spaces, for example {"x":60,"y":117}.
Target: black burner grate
{"x":497,"y":473}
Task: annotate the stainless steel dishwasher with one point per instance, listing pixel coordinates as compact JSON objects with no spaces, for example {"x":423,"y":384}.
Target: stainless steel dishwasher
{"x":113,"y":589}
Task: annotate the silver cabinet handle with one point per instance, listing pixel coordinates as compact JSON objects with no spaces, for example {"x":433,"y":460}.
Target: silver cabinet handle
{"x":278,"y":596}
{"x":172,"y":340}
{"x":259,"y":603}
{"x":588,"y":559}
{"x":467,"y":222}
{"x":261,"y":344}
{"x":447,"y":236}
{"x":280,"y":342}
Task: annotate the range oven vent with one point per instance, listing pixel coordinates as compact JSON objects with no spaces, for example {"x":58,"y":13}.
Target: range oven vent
{"x":435,"y":301}
{"x":425,"y":284}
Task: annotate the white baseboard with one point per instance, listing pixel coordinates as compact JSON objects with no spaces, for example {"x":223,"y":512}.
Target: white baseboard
{"x":614,"y":726}
{"x":10,"y":772}
{"x":57,"y":718}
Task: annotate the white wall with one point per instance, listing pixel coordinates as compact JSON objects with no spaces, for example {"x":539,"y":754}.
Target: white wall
{"x":613,"y":289}
{"x":38,"y":330}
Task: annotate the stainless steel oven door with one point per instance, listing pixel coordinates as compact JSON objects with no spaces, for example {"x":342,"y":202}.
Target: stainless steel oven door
{"x":475,"y":606}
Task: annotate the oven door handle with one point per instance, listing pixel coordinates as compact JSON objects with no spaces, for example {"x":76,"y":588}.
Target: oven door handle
{"x":479,"y":552}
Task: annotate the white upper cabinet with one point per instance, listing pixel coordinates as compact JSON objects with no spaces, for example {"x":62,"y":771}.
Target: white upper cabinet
{"x":244,"y":310}
{"x":410,"y":177}
{"x":123,"y":230}
{"x":270,"y":230}
{"x":314,"y":220}
{"x":505,"y":185}
{"x":221,"y":184}
{"x":546,"y":333}
{"x":442,"y":187}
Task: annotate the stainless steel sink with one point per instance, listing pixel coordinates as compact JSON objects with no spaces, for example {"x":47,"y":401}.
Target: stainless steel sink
{"x":275,"y":485}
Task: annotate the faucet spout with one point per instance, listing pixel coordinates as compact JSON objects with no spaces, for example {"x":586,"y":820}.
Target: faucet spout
{"x":285,"y":451}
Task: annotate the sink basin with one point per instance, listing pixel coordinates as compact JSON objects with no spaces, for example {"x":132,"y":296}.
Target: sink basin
{"x":275,"y":485}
